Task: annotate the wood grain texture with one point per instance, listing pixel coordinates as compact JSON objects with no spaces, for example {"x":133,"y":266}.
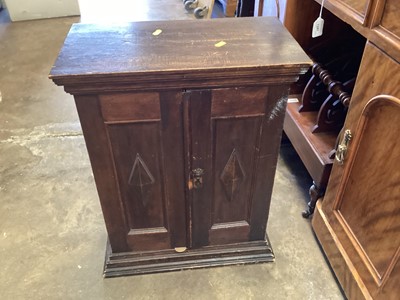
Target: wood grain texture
{"x":184,"y":51}
{"x":146,"y":160}
{"x":306,"y":10}
{"x":234,"y":142}
{"x":354,"y":12}
{"x":125,"y":107}
{"x":338,"y":258}
{"x":200,"y":150}
{"x":171,"y":106}
{"x":266,"y":159}
{"x":237,"y":149}
{"x":355,"y":219}
{"x":144,"y":200}
{"x":374,"y":218}
{"x":360,"y":6}
{"x":313,"y":148}
{"x":385,"y":27}
{"x":238,"y":101}
{"x":390,"y":18}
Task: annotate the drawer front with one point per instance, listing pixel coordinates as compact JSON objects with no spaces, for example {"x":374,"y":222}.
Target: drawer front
{"x":357,"y":11}
{"x":390,"y":19}
{"x":386,"y":27}
{"x":359,"y":6}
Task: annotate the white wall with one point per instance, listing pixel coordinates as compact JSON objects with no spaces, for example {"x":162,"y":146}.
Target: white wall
{"x":39,"y":9}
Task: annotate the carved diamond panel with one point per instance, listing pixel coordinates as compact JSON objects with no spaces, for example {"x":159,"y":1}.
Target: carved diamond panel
{"x":141,"y":177}
{"x":232,"y":175}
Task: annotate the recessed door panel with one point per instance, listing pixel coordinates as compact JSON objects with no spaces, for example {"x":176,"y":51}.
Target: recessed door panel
{"x":138,"y":161}
{"x":234,"y":158}
{"x":369,"y":206}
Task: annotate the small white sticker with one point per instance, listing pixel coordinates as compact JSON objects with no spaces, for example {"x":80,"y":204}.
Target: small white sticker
{"x":220,"y":44}
{"x":292,"y":100}
{"x":157,"y":32}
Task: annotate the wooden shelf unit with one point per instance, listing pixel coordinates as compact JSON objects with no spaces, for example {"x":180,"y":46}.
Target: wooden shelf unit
{"x":356,"y":221}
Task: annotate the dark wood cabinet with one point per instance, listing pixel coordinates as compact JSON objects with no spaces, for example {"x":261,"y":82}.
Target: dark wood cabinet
{"x":183,"y":132}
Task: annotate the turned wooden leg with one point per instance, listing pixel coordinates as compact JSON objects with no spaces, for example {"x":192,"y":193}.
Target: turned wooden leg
{"x":315,"y":193}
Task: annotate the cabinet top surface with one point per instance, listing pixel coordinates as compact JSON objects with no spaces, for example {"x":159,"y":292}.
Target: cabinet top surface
{"x":134,"y":49}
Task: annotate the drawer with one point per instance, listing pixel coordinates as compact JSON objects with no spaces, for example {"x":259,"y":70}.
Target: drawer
{"x":386,"y":27}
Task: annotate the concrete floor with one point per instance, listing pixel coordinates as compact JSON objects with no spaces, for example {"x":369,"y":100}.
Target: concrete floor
{"x":52,"y":235}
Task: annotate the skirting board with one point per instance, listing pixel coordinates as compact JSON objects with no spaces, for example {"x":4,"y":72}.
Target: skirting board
{"x":137,"y":263}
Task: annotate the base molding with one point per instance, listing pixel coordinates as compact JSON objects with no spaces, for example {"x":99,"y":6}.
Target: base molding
{"x":136,"y":263}
{"x":341,"y":264}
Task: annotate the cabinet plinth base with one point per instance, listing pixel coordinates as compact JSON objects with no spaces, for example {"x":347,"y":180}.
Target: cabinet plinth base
{"x":137,"y":263}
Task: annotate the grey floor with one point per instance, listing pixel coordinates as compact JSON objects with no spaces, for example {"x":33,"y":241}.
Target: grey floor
{"x":52,"y":235}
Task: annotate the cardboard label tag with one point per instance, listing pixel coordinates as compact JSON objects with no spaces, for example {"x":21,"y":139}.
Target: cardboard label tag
{"x":318,"y":27}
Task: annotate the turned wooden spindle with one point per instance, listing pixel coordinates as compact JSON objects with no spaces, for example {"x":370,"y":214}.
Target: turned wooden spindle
{"x":334,"y":87}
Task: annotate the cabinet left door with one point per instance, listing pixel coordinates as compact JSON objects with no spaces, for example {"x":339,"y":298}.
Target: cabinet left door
{"x":135,"y":144}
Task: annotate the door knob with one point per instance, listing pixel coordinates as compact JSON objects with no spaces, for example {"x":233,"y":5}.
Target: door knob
{"x":342,"y":147}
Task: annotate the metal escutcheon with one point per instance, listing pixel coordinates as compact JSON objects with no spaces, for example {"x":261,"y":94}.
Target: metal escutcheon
{"x":197,"y":177}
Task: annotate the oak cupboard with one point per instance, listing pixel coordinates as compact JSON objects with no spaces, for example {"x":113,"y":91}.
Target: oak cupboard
{"x":182,"y":122}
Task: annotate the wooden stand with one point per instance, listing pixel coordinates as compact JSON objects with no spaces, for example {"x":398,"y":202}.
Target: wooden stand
{"x":314,"y":122}
{"x":182,"y":123}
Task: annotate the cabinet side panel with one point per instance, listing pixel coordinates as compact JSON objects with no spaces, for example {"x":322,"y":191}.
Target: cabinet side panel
{"x":270,"y":135}
{"x":101,"y":160}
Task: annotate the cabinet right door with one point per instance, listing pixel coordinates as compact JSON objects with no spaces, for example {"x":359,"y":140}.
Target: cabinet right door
{"x":358,"y":220}
{"x":233,"y":137}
